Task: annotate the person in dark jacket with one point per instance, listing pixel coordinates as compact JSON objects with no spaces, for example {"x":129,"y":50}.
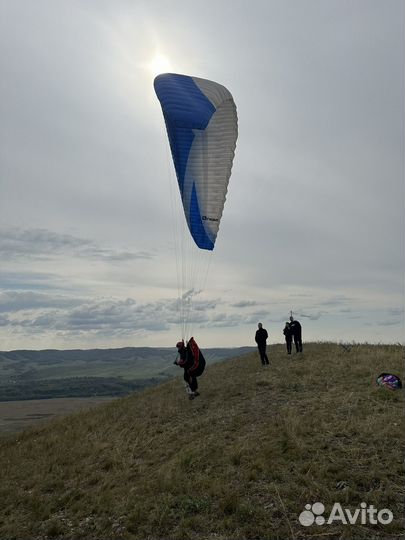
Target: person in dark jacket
{"x":261,"y":338}
{"x":296,"y":332}
{"x":288,"y":336}
{"x":191,"y":359}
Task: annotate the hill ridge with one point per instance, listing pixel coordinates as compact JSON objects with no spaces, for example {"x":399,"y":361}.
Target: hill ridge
{"x":30,"y":374}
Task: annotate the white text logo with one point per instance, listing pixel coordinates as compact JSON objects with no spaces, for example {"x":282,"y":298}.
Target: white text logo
{"x":366,"y":514}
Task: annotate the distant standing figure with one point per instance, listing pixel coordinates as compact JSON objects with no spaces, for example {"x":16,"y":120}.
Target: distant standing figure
{"x":261,"y":338}
{"x":296,"y":332}
{"x":288,"y":336}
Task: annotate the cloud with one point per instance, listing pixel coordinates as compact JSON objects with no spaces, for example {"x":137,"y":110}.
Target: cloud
{"x":43,"y":244}
{"x":32,"y":312}
{"x":311,"y":316}
{"x":395,"y":317}
{"x":28,"y":280}
{"x":389,"y":322}
{"x":336,"y":300}
{"x":14,"y":301}
{"x":396,"y":312}
{"x":244,"y":303}
{"x":114,"y":316}
{"x":224,"y":320}
{"x":4,"y":321}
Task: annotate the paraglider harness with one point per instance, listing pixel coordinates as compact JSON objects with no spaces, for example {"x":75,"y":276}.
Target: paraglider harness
{"x":190,"y":358}
{"x":193,"y":362}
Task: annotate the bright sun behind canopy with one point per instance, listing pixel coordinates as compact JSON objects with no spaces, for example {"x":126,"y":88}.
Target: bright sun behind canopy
{"x":159,"y":64}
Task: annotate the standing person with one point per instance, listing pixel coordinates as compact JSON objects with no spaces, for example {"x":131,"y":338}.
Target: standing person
{"x":192,"y":361}
{"x":261,"y":338}
{"x":296,"y":332}
{"x":288,"y":336}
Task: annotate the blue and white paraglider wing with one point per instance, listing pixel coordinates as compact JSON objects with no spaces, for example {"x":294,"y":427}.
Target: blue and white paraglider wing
{"x":202,"y":127}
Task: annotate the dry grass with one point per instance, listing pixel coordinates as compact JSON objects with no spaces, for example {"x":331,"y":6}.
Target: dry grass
{"x":241,"y":461}
{"x":18,"y":415}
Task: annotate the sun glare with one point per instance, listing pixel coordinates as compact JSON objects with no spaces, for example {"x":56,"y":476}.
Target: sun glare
{"x":159,"y":64}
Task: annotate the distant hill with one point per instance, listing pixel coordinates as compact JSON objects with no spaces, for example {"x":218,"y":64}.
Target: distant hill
{"x":241,"y":461}
{"x":26,"y":374}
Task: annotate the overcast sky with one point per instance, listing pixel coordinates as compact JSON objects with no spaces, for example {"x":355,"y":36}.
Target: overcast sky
{"x":314,"y":219}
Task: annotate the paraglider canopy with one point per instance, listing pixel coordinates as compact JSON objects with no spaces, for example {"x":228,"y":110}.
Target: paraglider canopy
{"x":201,"y":123}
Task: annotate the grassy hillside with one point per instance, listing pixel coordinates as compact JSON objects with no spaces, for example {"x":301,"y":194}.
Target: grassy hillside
{"x":16,"y":416}
{"x":72,"y":387}
{"x":240,"y":461}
